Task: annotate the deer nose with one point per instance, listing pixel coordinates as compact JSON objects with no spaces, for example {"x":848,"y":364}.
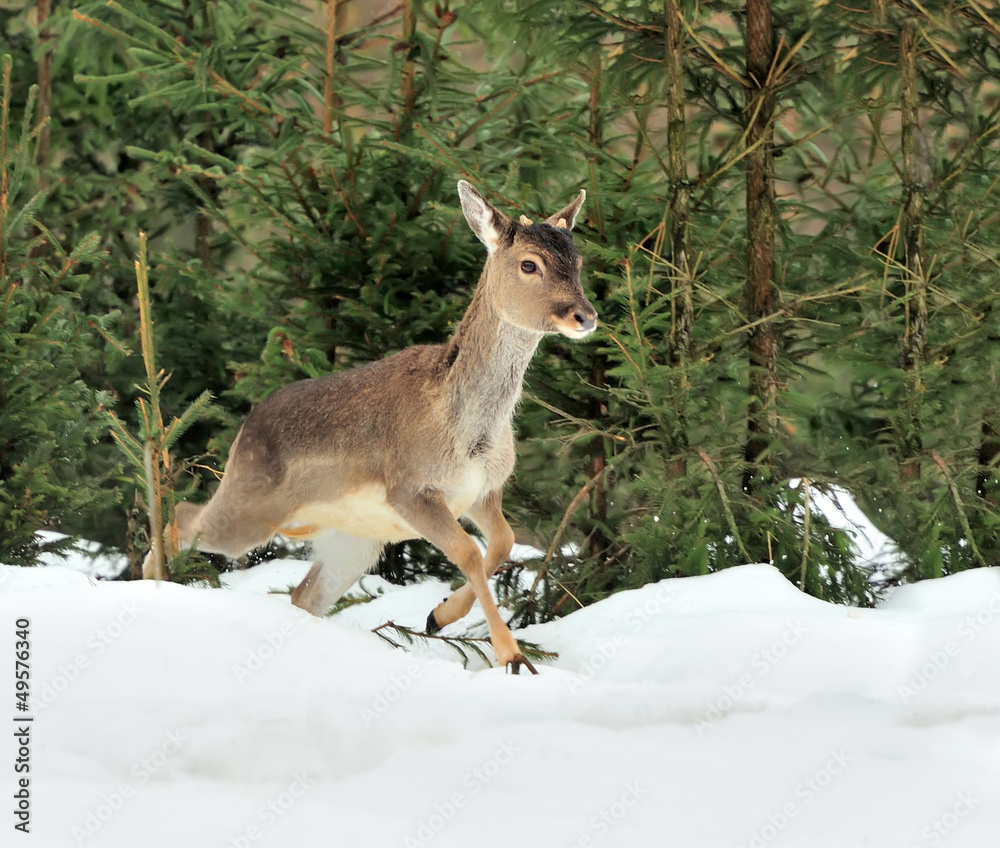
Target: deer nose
{"x":586,"y":318}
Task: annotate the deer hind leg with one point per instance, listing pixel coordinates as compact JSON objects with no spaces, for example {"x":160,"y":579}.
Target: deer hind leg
{"x":186,"y":516}
{"x":218,"y":527}
{"x":428,"y":514}
{"x":340,"y":560}
{"x":489,"y":517}
{"x":224,"y":527}
{"x":177,"y":535}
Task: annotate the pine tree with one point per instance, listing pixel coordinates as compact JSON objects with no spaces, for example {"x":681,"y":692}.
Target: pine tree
{"x":48,"y":415}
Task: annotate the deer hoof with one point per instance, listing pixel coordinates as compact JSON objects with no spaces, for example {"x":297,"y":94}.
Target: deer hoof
{"x":515,"y":665}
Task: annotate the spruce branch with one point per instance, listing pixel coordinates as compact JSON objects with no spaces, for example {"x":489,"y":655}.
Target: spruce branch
{"x":960,"y":509}
{"x":465,"y":646}
{"x":724,"y":500}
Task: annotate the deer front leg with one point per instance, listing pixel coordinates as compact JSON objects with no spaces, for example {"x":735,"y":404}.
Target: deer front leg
{"x":427,"y":512}
{"x":489,"y":517}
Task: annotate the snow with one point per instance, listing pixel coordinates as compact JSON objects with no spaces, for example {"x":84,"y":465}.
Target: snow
{"x":872,"y":547}
{"x":83,"y":556}
{"x":727,"y":710}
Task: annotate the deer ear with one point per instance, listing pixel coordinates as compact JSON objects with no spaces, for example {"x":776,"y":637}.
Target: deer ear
{"x":487,"y":222}
{"x":566,"y":217}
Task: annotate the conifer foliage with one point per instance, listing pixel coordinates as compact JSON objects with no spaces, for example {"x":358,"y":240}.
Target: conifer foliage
{"x":790,"y":237}
{"x":47,"y":411}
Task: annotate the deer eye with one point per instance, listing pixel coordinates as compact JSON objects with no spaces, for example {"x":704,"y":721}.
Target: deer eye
{"x":528,"y":267}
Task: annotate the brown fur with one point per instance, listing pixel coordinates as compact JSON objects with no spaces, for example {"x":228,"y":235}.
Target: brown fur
{"x":402,"y":447}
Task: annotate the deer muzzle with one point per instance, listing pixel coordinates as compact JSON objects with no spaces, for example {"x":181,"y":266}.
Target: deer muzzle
{"x":578,"y":320}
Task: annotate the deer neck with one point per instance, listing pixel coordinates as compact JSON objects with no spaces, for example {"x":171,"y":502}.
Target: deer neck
{"x":488,"y":358}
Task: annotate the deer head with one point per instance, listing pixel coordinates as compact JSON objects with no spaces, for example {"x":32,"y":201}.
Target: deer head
{"x":532,"y":275}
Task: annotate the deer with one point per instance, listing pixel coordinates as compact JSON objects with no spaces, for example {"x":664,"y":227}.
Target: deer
{"x":402,"y":447}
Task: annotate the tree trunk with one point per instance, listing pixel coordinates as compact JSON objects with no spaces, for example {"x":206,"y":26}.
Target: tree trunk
{"x":914,"y":343}
{"x":408,"y":88}
{"x":678,"y":202}
{"x":329,"y":93}
{"x":44,"y":86}
{"x":599,"y":544}
{"x":761,"y":213}
{"x":989,"y":450}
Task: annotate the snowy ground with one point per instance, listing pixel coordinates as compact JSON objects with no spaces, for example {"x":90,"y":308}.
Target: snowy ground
{"x":728,"y":710}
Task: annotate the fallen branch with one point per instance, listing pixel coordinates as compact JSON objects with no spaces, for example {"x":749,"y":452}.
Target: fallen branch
{"x":460,"y":644}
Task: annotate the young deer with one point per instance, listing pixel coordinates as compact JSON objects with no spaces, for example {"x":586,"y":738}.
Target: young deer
{"x":401,"y":448}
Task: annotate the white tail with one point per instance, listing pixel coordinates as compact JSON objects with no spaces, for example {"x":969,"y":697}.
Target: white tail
{"x":401,"y":448}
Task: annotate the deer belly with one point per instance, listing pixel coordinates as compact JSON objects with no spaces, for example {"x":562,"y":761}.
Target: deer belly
{"x":364,"y":512}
